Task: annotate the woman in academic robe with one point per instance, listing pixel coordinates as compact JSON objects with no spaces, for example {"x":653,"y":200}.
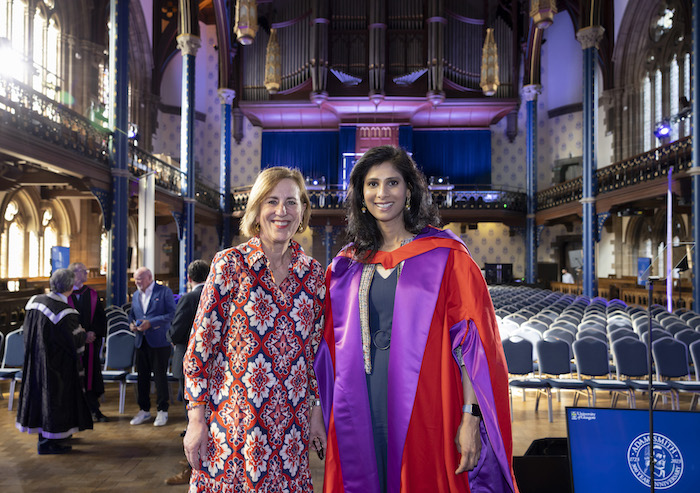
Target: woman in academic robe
{"x":412,"y":376}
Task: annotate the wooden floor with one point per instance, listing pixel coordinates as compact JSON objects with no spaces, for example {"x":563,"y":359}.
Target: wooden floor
{"x":118,"y":457}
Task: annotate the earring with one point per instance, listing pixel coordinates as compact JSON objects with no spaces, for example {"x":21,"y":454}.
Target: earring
{"x":300,"y":229}
{"x":408,"y":203}
{"x":364,"y":207}
{"x":257,"y":227}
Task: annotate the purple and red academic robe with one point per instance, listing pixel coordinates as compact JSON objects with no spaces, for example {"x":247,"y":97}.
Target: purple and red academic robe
{"x":442,"y":304}
{"x":92,"y":318}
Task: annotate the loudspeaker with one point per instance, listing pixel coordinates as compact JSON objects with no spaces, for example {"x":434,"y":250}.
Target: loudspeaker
{"x":544,"y":468}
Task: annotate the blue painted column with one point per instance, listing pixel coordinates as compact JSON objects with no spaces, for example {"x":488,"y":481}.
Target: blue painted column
{"x":695,"y":168}
{"x":589,"y":38}
{"x":226,"y":96}
{"x":188,"y":45}
{"x":529,"y":94}
{"x":119,"y":150}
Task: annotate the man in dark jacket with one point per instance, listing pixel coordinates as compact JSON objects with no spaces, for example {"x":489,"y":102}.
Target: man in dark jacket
{"x":51,"y":399}
{"x":94,"y":321}
{"x":179,"y":335}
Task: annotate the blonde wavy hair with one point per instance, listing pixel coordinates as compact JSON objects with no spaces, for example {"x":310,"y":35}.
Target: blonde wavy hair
{"x":266,"y":180}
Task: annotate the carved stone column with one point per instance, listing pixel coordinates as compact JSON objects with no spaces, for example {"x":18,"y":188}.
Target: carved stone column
{"x":226,"y":97}
{"x":589,"y":37}
{"x":188,"y":44}
{"x":119,"y":123}
{"x":529,"y":94}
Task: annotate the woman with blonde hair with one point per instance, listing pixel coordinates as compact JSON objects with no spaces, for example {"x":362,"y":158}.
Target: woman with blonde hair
{"x":253,"y":397}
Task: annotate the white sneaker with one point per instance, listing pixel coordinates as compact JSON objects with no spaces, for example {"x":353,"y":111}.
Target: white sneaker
{"x":140,"y":417}
{"x":161,"y":418}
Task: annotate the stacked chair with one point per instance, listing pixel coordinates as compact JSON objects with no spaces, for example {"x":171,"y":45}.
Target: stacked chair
{"x":606,"y":343}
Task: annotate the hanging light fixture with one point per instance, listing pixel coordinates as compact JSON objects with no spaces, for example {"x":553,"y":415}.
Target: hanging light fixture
{"x":273,"y":64}
{"x":543,"y":12}
{"x":246,"y":21}
{"x":489,"y":65}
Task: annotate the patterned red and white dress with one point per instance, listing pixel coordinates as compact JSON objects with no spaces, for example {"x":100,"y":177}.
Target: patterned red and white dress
{"x":250,"y":359}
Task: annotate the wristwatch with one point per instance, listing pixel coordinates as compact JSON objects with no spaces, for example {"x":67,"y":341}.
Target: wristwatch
{"x":472,"y":409}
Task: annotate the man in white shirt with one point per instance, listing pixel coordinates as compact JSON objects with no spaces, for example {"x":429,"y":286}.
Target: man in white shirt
{"x":152,"y":310}
{"x":566,"y":277}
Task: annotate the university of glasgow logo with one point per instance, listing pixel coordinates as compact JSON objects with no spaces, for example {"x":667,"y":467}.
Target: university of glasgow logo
{"x":668,"y":461}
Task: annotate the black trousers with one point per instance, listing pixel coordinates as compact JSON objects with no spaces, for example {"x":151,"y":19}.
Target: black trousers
{"x":152,"y":359}
{"x":93,"y":400}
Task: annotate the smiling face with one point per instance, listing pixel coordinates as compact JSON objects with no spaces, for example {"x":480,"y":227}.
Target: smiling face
{"x":281,"y":212}
{"x":385,"y":193}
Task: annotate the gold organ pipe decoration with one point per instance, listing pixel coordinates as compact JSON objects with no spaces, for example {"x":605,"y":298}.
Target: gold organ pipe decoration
{"x":273,"y":64}
{"x":543,"y":12}
{"x":489,"y":65}
{"x":246,"y":21}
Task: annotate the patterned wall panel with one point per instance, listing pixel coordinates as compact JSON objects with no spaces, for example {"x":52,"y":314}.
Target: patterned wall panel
{"x":245,"y":157}
{"x":492,"y":243}
{"x":206,"y":242}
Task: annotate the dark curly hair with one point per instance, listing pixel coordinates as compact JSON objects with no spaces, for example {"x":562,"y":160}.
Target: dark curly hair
{"x":362,"y":229}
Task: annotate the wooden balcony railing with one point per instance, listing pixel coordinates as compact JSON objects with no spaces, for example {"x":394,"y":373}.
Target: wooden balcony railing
{"x":643,"y":167}
{"x":23,"y":108}
{"x":451,"y":197}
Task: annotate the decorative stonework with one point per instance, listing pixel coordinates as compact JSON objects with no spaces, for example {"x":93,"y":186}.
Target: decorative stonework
{"x":531,"y":91}
{"x":589,"y":37}
{"x":226,"y":96}
{"x":188,"y":44}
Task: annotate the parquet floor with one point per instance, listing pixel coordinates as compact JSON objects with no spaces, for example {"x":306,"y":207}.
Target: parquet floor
{"x":118,"y":457}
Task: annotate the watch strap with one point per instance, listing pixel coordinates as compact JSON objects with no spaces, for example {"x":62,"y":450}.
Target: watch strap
{"x":472,"y":409}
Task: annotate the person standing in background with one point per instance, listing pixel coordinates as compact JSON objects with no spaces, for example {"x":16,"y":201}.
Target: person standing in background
{"x":566,"y":277}
{"x":51,"y":399}
{"x":94,"y":321}
{"x":179,"y":334}
{"x":152,"y":310}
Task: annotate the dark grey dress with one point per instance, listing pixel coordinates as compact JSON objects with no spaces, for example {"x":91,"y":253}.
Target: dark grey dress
{"x":381,"y":311}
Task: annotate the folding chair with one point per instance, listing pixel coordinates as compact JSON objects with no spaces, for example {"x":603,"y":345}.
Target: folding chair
{"x":671,"y":359}
{"x":687,"y":336}
{"x":591,"y":332}
{"x":630,"y":356}
{"x":117,"y":326}
{"x":656,"y":334}
{"x":13,"y":362}
{"x":592,"y":362}
{"x":554,"y":357}
{"x":518,"y":352}
{"x":119,"y":356}
{"x":620,"y":333}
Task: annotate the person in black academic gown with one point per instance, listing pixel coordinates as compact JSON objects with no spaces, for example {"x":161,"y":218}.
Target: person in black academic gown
{"x":94,"y":321}
{"x":51,"y":400}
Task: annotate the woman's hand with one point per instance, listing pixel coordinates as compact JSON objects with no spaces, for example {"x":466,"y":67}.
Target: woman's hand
{"x":195,"y":441}
{"x":317,"y":427}
{"x":468,"y":442}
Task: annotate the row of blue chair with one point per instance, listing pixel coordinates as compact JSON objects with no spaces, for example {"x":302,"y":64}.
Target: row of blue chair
{"x":593,"y":368}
